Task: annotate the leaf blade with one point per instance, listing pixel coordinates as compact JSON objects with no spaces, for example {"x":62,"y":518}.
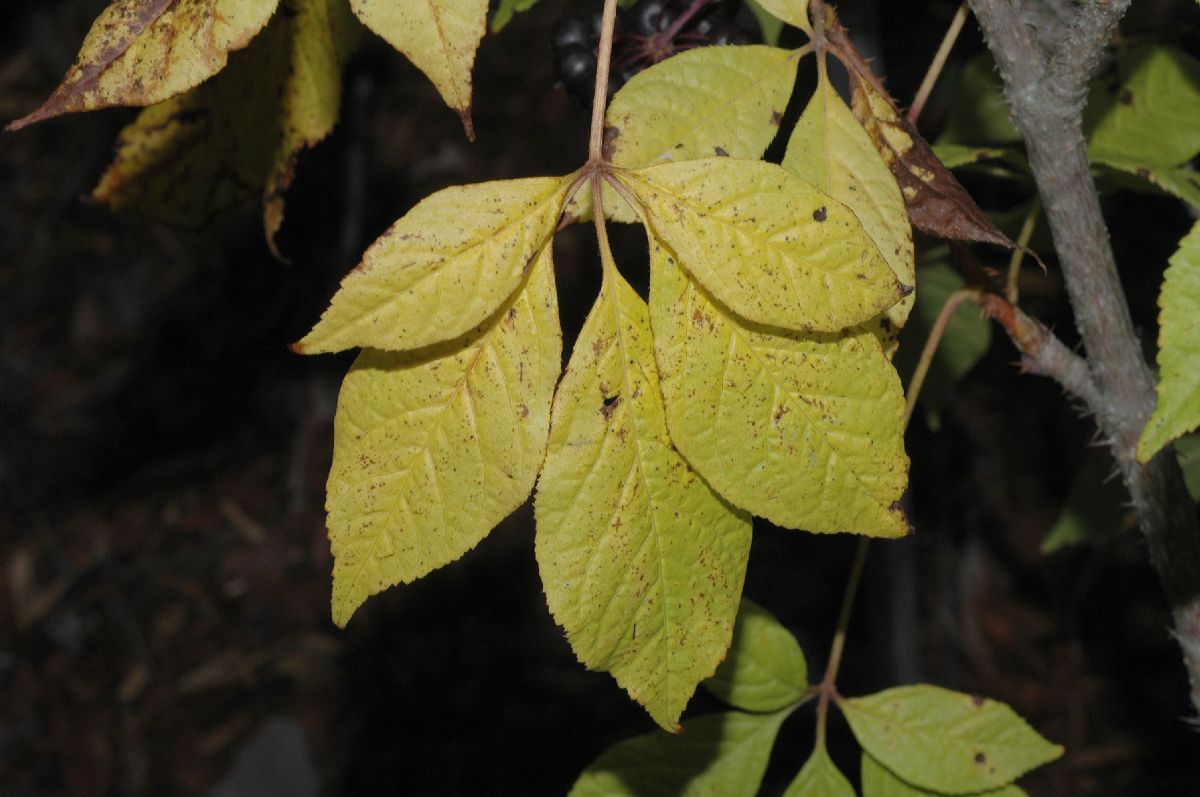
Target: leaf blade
{"x":765,"y":669}
{"x":879,"y":781}
{"x":820,"y":777}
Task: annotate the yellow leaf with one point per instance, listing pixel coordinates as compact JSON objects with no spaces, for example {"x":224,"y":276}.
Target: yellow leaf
{"x":793,"y":12}
{"x":641,"y":561}
{"x":433,"y":448}
{"x":443,"y":268}
{"x":773,"y":248}
{"x":439,"y":36}
{"x":830,"y":149}
{"x":804,"y":430}
{"x":139,"y":52}
{"x":241,"y":132}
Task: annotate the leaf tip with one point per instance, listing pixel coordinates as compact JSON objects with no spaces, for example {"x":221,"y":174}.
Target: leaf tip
{"x":299,"y":347}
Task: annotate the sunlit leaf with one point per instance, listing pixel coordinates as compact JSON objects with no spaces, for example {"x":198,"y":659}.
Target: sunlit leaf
{"x":804,"y":430}
{"x":878,"y":781}
{"x":1178,"y":410}
{"x":765,"y":669}
{"x":433,"y":448}
{"x":719,"y":754}
{"x":793,"y":12}
{"x":139,"y":52}
{"x":443,"y":268}
{"x":820,"y":777}
{"x":830,"y":149}
{"x":642,"y":563}
{"x":241,"y":132}
{"x":439,"y":36}
{"x":770,"y":246}
{"x":944,"y":741}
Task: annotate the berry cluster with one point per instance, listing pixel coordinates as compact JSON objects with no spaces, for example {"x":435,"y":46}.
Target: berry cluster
{"x":649,"y":32}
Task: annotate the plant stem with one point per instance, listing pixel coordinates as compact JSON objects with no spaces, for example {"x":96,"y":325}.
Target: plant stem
{"x":827,"y":687}
{"x":951,"y":305}
{"x":1012,"y":287}
{"x":683,"y":19}
{"x":938,"y":63}
{"x":600,"y":98}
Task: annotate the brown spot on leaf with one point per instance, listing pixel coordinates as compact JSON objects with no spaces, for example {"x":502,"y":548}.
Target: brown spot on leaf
{"x":721,"y":153}
{"x":980,"y":758}
{"x":610,"y":406}
{"x":611,"y":134}
{"x":820,"y":214}
{"x":1126,"y":97}
{"x":776,"y":118}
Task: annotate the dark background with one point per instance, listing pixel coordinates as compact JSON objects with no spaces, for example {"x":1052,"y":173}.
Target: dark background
{"x":164,"y":574}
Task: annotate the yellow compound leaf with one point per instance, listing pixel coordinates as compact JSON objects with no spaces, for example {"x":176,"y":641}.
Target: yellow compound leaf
{"x":443,"y":268}
{"x":433,"y":448}
{"x":770,"y":246}
{"x":642,"y":562}
{"x":139,"y":52}
{"x":805,"y":430}
{"x":439,"y":36}
{"x":830,"y":149}
{"x":241,"y":132}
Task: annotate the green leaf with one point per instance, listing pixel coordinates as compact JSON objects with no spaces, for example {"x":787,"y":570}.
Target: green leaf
{"x":241,"y":132}
{"x":440,"y":37}
{"x":719,"y":754}
{"x":765,"y":669}
{"x":1148,"y":111}
{"x":1178,"y":410}
{"x":793,"y":12}
{"x":1181,"y":183}
{"x":1187,"y":449}
{"x":878,"y":781}
{"x":944,"y":741}
{"x":770,"y":25}
{"x":831,"y":150}
{"x":1095,"y":509}
{"x":139,"y":52}
{"x":505,"y":10}
{"x":820,"y":777}
{"x":955,"y":156}
{"x":770,"y":246}
{"x":642,"y":563}
{"x":433,"y":448}
{"x":978,"y":113}
{"x":967,"y":338}
{"x":443,"y":268}
{"x":804,"y":430}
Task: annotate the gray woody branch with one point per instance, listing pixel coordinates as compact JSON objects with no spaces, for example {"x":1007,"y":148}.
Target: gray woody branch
{"x":1046,"y":71}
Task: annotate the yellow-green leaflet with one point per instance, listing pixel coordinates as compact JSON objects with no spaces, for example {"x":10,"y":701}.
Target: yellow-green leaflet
{"x":805,"y":430}
{"x":700,"y":103}
{"x":773,"y":248}
{"x":820,"y":777}
{"x":433,"y":448}
{"x":1178,"y":410}
{"x":879,"y":781}
{"x":641,"y":561}
{"x":793,"y":12}
{"x":140,"y":52}
{"x":831,"y":150}
{"x":439,"y":36}
{"x":242,"y":131}
{"x":443,"y":268}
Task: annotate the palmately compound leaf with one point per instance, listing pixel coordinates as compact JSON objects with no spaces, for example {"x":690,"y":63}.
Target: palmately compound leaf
{"x":241,"y":132}
{"x":719,"y":754}
{"x":642,"y":563}
{"x":771,"y":247}
{"x":805,"y":430}
{"x":879,"y":781}
{"x":439,"y":36}
{"x":793,"y":12}
{"x":433,"y":448}
{"x":139,"y":52}
{"x":1178,"y":410}
{"x":820,"y":777}
{"x":944,"y":741}
{"x":443,"y":268}
{"x":830,"y":149}
{"x":765,"y":669}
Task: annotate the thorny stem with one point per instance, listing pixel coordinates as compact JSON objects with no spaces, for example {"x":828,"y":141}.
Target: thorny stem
{"x":828,"y":688}
{"x":950,"y":307}
{"x":603,"y":63}
{"x":939,"y":61}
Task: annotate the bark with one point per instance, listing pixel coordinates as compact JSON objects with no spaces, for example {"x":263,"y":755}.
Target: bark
{"x":1046,"y":70}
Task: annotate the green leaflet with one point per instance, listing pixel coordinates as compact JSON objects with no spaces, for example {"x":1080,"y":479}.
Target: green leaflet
{"x":139,"y":52}
{"x":765,"y":669}
{"x":831,"y":150}
{"x":1096,"y":509}
{"x":977,"y":113}
{"x":505,"y":10}
{"x":944,"y":741}
{"x":1187,"y":449}
{"x":820,"y":777}
{"x":878,"y":781}
{"x":440,"y":37}
{"x":770,"y":25}
{"x":804,"y":430}
{"x":793,"y":12}
{"x":642,"y":563}
{"x":719,"y":754}
{"x":242,"y":131}
{"x":1142,"y":175}
{"x":771,"y":247}
{"x":1178,"y":410}
{"x":433,"y":448}
{"x":968,"y":337}
{"x":443,"y":268}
